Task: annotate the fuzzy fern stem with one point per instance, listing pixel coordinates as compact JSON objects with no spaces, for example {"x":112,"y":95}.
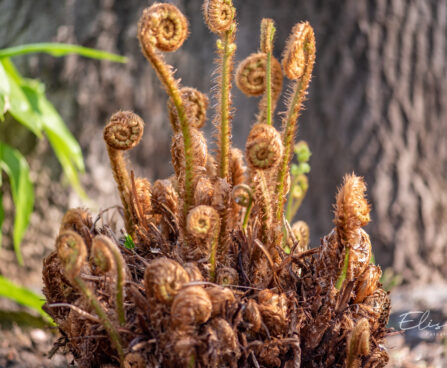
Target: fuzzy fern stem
{"x":227,"y":49}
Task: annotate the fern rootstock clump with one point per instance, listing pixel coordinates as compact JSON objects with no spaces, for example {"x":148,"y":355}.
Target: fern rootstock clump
{"x":209,"y":272}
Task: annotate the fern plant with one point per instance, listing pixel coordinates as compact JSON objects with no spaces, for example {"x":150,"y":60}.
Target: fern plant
{"x":210,"y":273}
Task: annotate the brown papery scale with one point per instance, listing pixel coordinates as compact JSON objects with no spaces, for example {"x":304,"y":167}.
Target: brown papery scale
{"x":208,"y":271}
{"x":367,"y":283}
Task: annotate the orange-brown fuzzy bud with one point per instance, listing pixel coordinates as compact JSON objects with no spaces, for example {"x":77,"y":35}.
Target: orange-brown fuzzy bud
{"x":227,"y":276}
{"x":72,"y":251}
{"x":202,"y":221}
{"x":144,"y":195}
{"x":221,"y":194}
{"x":76,"y":219}
{"x":299,"y":51}
{"x":267,"y":33}
{"x":264,"y":147}
{"x":164,"y":194}
{"x":102,"y":255}
{"x":163,"y":279}
{"x":203,"y":194}
{"x":252,"y":315}
{"x":226,"y":337}
{"x":79,"y":220}
{"x":251,"y":76}
{"x":195,"y":103}
{"x":192,"y":306}
{"x":367,"y":283}
{"x":221,"y":298}
{"x":124,"y":130}
{"x":301,"y":231}
{"x":219,"y":15}
{"x":273,"y":308}
{"x":351,"y":209}
{"x":199,"y":151}
{"x":184,"y":348}
{"x":193,"y":271}
{"x":162,"y":26}
{"x":237,"y":167}
{"x":358,"y":343}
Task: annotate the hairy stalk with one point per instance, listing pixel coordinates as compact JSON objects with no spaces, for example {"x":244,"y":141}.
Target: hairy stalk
{"x":123,"y":132}
{"x":227,"y":49}
{"x":266,"y":204}
{"x":149,"y":42}
{"x":267,"y":34}
{"x":72,"y":251}
{"x":108,"y":257}
{"x":122,"y":179}
{"x":298,"y":64}
{"x":102,"y":315}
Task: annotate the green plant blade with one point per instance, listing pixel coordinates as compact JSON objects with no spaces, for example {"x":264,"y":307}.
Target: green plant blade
{"x":61,"y":49}
{"x":16,"y":167}
{"x":21,"y":104}
{"x":4,"y":91}
{"x":22,"y":296}
{"x":2,"y":212}
{"x":45,"y":118}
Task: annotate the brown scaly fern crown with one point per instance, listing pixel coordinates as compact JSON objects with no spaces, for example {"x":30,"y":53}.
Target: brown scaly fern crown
{"x":209,"y":272}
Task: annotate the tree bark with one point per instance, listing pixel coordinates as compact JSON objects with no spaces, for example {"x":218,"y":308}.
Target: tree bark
{"x":377,"y":103}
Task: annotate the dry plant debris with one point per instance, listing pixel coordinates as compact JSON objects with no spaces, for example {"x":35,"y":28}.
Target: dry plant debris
{"x":217,"y":276}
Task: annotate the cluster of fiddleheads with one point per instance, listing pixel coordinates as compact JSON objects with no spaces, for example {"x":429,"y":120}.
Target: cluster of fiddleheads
{"x":208,"y":271}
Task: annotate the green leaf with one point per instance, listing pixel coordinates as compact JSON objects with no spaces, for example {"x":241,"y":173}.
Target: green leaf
{"x":16,"y":167}
{"x":22,"y":296}
{"x":42,"y":114}
{"x":4,"y":83}
{"x":61,"y":49}
{"x":128,"y":243}
{"x":2,"y":212}
{"x":4,"y":90}
{"x":22,"y":104}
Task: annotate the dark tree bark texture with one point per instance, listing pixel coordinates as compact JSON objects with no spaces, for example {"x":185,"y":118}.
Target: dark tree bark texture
{"x":377,"y":103}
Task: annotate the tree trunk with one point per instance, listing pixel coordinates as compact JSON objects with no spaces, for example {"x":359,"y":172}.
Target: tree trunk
{"x":377,"y":104}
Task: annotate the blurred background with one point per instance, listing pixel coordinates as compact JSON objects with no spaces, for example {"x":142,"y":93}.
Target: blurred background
{"x":377,"y":106}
